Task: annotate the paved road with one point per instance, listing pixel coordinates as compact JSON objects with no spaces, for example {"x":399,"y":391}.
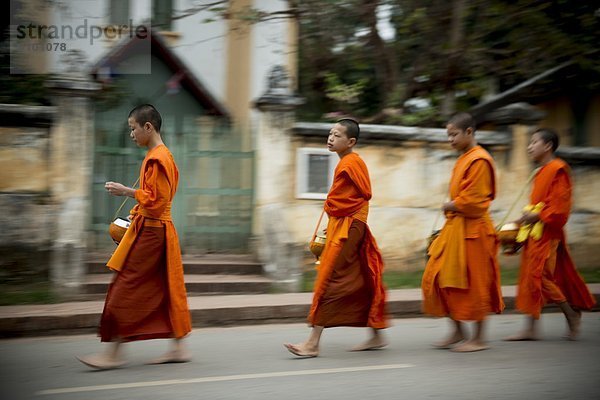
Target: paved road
{"x":250,"y":363}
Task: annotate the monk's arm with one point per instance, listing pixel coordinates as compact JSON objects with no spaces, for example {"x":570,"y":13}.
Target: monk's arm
{"x":557,"y":205}
{"x":118,"y":189}
{"x":154,"y":196}
{"x":476,"y":190}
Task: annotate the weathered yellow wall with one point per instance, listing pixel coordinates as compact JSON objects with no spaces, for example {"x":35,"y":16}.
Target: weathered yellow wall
{"x":409,"y":182}
{"x":24,"y":163}
{"x":592,"y":126}
{"x":558,"y":117}
{"x":239,"y":57}
{"x":26,"y":214}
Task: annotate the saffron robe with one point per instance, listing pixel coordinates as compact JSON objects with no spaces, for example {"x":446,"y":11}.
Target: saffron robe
{"x":149,"y":286}
{"x":349,"y":290}
{"x":547,"y":273}
{"x":462,"y":276}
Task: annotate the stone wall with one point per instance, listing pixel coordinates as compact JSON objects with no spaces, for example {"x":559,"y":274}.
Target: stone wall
{"x":27,"y":212}
{"x":583,"y":228}
{"x":45,"y":166}
{"x":410,"y":169}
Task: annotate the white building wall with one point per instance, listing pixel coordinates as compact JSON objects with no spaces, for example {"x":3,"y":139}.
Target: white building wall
{"x":201,"y":45}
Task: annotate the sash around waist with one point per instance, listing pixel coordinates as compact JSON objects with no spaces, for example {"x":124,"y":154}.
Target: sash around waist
{"x":165,"y":216}
{"x":155,"y":223}
{"x":362,"y":214}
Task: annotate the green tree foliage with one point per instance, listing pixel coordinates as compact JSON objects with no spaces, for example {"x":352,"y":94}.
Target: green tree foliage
{"x":447,"y":53}
{"x":450,"y":53}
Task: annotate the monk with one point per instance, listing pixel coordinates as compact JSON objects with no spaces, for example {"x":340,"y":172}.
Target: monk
{"x":147,"y":297}
{"x":348,"y":290}
{"x":462,"y":278}
{"x":547,"y":273}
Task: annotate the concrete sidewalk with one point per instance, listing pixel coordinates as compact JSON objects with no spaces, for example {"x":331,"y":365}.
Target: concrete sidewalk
{"x":83,"y":317}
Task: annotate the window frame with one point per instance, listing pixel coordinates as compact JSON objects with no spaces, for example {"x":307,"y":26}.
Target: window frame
{"x":112,"y":12}
{"x":302,"y":171}
{"x":162,"y":14}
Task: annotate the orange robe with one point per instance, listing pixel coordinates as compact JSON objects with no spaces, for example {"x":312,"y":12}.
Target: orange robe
{"x":349,"y":290}
{"x":547,"y":273}
{"x":147,"y":298}
{"x":462,"y":277}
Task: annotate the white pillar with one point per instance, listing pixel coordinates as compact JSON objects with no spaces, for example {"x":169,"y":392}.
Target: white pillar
{"x":71,"y":157}
{"x":273,"y":240}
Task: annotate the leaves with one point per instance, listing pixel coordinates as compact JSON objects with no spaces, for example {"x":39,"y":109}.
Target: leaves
{"x":502,"y":44}
{"x":341,"y":92}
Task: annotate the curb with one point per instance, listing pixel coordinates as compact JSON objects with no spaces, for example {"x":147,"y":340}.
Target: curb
{"x":209,"y":311}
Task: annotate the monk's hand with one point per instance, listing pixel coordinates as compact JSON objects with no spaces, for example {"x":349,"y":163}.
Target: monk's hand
{"x":530,"y":218}
{"x":448,"y":206}
{"x":116,"y":189}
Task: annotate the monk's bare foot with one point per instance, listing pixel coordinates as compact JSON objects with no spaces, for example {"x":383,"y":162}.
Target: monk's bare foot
{"x":374,"y":343}
{"x":101,"y":361}
{"x":302,"y":350}
{"x":449,"y":342}
{"x":522,"y":336}
{"x":470,"y":346}
{"x":172,"y":356}
{"x":574,"y":326}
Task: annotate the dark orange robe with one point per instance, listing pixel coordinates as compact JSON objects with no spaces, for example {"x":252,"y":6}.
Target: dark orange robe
{"x":147,"y":298}
{"x":462,"y":277}
{"x":349,"y":290}
{"x":547,"y":273}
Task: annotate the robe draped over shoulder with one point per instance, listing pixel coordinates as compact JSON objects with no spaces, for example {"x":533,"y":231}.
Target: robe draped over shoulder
{"x":547,"y":272}
{"x":462,"y":276}
{"x":159,"y":178}
{"x":347,"y":202}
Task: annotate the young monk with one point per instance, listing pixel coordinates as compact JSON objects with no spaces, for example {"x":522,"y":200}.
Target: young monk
{"x":147,"y":297}
{"x":348,"y":289}
{"x":547,"y":273}
{"x":462,"y":279}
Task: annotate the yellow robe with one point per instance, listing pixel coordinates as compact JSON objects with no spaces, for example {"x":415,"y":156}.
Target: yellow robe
{"x":547,"y":273}
{"x":462,"y":278}
{"x":362,"y":301}
{"x":159,"y":177}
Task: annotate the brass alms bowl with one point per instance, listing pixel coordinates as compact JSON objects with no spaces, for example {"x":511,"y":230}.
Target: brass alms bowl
{"x":117,"y":229}
{"x":317,"y":245}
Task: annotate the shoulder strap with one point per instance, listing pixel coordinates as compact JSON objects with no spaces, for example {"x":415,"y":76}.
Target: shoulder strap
{"x":529,"y":179}
{"x":318,"y":224}
{"x":125,"y":201}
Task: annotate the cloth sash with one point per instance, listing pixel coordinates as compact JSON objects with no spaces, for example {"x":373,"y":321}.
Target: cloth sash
{"x":165,"y":216}
{"x":452,"y":253}
{"x":117,"y":261}
{"x":362,"y":214}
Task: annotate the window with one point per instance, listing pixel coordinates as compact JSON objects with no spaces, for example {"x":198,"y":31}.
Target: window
{"x":119,"y":12}
{"x":162,"y":14}
{"x":314,"y":172}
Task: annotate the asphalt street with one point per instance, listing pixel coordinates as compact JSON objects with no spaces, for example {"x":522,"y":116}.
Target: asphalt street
{"x":251,"y":363}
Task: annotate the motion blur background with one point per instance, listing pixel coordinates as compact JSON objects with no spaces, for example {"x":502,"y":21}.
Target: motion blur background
{"x":248,"y":91}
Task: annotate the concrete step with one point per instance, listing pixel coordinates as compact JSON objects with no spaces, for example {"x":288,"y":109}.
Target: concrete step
{"x":83,"y":317}
{"x":196,"y":284}
{"x":197,"y":266}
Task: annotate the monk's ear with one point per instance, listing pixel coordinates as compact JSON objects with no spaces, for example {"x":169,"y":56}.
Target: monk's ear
{"x":148,"y":126}
{"x":469,"y":131}
{"x":352,"y":141}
